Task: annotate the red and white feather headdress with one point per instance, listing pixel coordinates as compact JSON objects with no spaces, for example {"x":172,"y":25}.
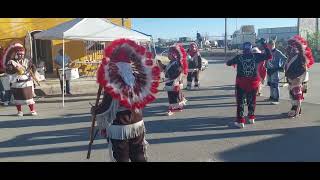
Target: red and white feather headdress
{"x":302,"y":45}
{"x":180,"y":55}
{"x":9,"y":51}
{"x":129,"y":74}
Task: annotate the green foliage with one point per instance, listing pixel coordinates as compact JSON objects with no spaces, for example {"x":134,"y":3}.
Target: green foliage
{"x":314,"y":43}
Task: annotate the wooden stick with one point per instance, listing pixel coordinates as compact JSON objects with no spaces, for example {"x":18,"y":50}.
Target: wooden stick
{"x":34,"y":78}
{"x":93,"y":120}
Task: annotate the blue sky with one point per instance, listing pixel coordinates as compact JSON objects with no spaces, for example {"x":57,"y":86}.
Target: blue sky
{"x":180,"y":27}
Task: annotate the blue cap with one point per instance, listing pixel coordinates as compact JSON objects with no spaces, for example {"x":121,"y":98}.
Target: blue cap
{"x":247,"y":46}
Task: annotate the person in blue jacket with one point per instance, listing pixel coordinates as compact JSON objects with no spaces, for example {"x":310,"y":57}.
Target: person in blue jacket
{"x":274,"y":67}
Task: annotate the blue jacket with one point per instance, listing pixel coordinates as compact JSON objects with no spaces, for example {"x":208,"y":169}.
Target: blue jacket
{"x":277,"y":62}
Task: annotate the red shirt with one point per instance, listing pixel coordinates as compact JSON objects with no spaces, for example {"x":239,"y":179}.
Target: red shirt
{"x":262,"y":70}
{"x":1,"y":66}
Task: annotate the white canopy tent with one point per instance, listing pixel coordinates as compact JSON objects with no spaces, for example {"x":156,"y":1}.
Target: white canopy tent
{"x":89,"y":29}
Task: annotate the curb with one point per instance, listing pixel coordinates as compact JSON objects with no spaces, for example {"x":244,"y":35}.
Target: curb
{"x":78,"y":86}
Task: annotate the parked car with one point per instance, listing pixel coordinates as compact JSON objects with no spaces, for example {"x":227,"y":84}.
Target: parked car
{"x":205,"y":64}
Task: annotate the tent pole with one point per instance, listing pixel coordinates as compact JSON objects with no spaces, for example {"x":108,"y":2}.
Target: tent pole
{"x":31,"y":49}
{"x":63,"y":75}
{"x":36,"y":48}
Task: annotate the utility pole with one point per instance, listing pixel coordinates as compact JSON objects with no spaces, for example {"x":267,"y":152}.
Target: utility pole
{"x":317,"y":33}
{"x":122,"y":22}
{"x":298,"y":26}
{"x":225,"y":39}
{"x":236,"y":23}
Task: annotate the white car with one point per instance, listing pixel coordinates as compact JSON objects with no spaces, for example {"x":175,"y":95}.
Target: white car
{"x":205,"y":64}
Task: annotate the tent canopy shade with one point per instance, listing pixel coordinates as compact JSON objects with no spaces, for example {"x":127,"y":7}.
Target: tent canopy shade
{"x":90,"y":29}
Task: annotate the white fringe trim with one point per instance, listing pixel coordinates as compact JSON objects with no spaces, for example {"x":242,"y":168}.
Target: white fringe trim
{"x":184,"y":102}
{"x":297,"y":82}
{"x":177,"y":105}
{"x":122,"y":132}
{"x":145,"y":148}
{"x":105,"y":119}
{"x":290,"y":87}
{"x":22,"y":84}
{"x":306,"y":78}
{"x":192,"y":70}
{"x":23,"y":102}
{"x":296,"y":102}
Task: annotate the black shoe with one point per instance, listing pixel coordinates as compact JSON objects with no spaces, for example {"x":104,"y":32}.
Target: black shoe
{"x":270,"y":99}
{"x":300,"y":111}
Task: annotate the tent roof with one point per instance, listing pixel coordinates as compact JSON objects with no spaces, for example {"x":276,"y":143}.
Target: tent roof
{"x":90,"y":29}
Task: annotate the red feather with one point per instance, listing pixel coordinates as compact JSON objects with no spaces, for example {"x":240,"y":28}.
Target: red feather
{"x":308,"y":52}
{"x":149,"y":62}
{"x":149,"y":55}
{"x":183,"y":59}
{"x":143,"y":61}
{"x":155,"y":84}
{"x":156,"y":71}
{"x":154,"y":90}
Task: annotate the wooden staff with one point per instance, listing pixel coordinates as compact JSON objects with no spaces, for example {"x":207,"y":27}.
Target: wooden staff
{"x":34,"y":78}
{"x":93,"y":121}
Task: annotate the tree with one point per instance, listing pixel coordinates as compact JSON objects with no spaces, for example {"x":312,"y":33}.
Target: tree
{"x":314,"y":43}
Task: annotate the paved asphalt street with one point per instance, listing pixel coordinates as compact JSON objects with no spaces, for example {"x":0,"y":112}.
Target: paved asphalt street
{"x":202,"y":133}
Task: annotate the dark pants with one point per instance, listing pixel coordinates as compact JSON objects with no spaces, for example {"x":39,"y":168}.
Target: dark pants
{"x":175,"y":97}
{"x":193,"y":76}
{"x":273,"y":82}
{"x":67,"y":84}
{"x":5,"y":95}
{"x":131,"y":149}
{"x":251,"y":102}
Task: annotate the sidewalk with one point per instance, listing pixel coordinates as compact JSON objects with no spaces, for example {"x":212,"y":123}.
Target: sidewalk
{"x":82,"y":85}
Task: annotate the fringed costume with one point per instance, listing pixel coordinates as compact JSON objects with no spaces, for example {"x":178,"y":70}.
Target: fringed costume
{"x":194,"y":65}
{"x":130,"y":79}
{"x":300,"y":59}
{"x":248,"y":80}
{"x":174,"y":73}
{"x":21,"y":80}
